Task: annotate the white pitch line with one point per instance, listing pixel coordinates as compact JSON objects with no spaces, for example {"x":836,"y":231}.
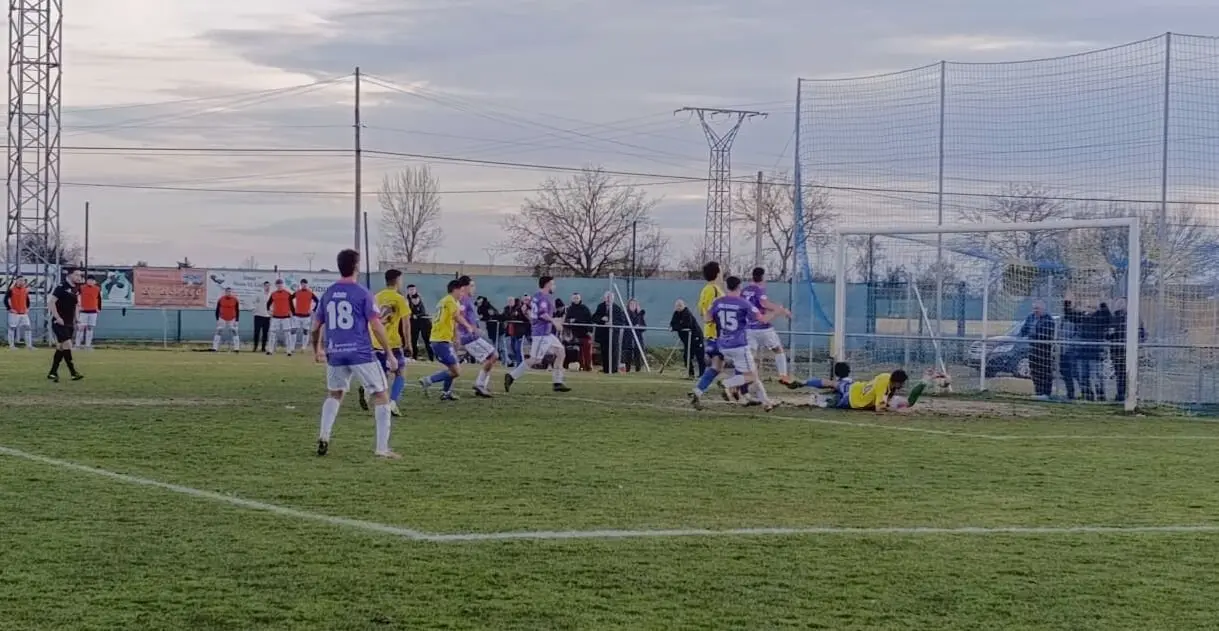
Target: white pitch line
{"x":561,"y":535}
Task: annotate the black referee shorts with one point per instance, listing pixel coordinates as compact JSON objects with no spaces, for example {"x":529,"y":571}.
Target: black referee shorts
{"x":63,"y":332}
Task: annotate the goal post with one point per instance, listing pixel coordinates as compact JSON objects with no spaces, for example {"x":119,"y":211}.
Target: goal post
{"x":998,"y":271}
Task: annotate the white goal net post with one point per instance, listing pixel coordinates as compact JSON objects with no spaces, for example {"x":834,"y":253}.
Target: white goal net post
{"x":954,"y":298}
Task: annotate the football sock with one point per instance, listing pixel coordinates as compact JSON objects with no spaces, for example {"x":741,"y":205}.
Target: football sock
{"x":448,"y":382}
{"x":735,"y":381}
{"x":67,"y":359}
{"x":12,"y":338}
{"x":519,"y":370}
{"x":236,"y":342}
{"x":440,"y":376}
{"x":781,"y":363}
{"x":330,"y":413}
{"x":815,"y":382}
{"x":704,"y":382}
{"x":291,"y":342}
{"x":29,"y":338}
{"x":79,"y":338}
{"x":395,"y":390}
{"x":382,"y":415}
{"x":89,"y":337}
{"x":216,"y":342}
{"x":56,"y":361}
{"x":556,"y":373}
{"x":484,"y":377}
{"x":761,"y":391}
{"x":271,"y":345}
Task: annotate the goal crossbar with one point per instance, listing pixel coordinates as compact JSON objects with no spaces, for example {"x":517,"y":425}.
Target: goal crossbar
{"x":1133,"y":274}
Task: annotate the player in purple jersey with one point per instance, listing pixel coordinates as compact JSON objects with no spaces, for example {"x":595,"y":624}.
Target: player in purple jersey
{"x":471,"y":337}
{"x":732,"y":315}
{"x":546,"y":342}
{"x":343,"y":319}
{"x":762,"y":335}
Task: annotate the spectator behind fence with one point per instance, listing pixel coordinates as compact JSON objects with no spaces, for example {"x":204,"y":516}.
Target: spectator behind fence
{"x":515,"y":325}
{"x":1068,"y":356}
{"x":1091,"y":328}
{"x":633,"y":347}
{"x":421,"y":324}
{"x":578,"y":319}
{"x":1038,"y":328}
{"x":1117,"y":352}
{"x":610,"y":319}
{"x":491,"y":318}
{"x":262,"y":320}
{"x":685,"y":325}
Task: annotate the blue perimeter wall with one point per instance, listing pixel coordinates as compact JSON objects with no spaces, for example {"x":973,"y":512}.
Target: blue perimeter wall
{"x":656,"y":297}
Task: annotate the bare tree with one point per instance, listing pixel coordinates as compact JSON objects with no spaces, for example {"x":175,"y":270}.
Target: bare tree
{"x":410,"y":214}
{"x":1188,"y":251}
{"x":1017,"y":204}
{"x":692,"y":260}
{"x":583,"y":226}
{"x":778,"y":214}
{"x":42,"y":248}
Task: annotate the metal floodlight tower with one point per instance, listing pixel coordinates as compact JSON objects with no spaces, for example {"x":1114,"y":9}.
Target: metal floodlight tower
{"x":34,"y":89}
{"x":717,"y":233}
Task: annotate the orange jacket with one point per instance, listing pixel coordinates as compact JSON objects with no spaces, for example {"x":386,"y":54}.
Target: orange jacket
{"x":90,"y":298}
{"x":280,"y":303}
{"x":228,"y":308}
{"x":17,"y":300}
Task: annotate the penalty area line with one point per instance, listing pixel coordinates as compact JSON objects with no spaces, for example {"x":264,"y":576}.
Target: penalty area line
{"x":610,"y":534}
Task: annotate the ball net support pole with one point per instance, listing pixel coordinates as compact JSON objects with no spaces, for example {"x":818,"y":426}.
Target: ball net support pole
{"x":1134,"y":273}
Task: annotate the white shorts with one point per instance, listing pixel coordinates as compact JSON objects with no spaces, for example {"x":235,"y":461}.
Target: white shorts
{"x":545,"y":345}
{"x":741,"y":358}
{"x":280,"y":325}
{"x":302,"y":324}
{"x":763,"y":339}
{"x":371,"y":376}
{"x":480,"y":350}
{"x":18,"y":321}
{"x":222,"y":325}
{"x":87,"y":320}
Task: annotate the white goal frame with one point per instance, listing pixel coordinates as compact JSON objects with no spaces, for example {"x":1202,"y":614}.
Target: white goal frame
{"x":1134,"y":272}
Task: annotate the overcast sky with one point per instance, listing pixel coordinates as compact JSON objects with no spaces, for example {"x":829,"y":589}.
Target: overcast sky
{"x":558,"y":82}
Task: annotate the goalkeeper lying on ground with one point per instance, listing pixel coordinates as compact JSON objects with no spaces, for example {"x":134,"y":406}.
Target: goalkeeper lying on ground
{"x":877,"y":394}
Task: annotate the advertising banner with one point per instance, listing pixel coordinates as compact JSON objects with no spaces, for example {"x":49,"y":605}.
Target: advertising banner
{"x":247,"y":284}
{"x":118,"y":286}
{"x":170,"y":287}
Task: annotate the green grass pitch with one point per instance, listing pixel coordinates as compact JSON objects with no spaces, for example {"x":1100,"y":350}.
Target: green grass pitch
{"x":83,"y":550}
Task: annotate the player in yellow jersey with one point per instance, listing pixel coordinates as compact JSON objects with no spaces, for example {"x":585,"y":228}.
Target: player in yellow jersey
{"x":395,"y":316}
{"x":878,"y":394}
{"x":444,"y":336}
{"x":715,"y":361}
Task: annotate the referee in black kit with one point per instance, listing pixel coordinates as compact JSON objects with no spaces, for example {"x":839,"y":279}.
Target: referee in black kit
{"x":64,"y":303}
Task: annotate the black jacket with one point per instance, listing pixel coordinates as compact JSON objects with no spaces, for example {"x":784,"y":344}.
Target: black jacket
{"x":603,"y":316}
{"x":515,"y":322}
{"x":1091,"y":326}
{"x":578,"y":314}
{"x":684,"y":323}
{"x":418,"y":309}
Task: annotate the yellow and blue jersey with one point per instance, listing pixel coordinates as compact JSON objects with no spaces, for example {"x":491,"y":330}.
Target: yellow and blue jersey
{"x":870,"y":395}
{"x":393,"y":308}
{"x":444,"y":324}
{"x":706,"y":297}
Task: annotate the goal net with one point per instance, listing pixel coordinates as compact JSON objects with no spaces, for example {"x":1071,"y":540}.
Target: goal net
{"x":1048,"y":309}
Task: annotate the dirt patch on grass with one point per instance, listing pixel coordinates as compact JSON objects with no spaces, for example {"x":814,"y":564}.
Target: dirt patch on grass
{"x":117,"y":402}
{"x":947,"y":406}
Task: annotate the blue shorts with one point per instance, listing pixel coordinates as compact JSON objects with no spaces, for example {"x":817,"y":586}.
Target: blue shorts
{"x":398,"y":355}
{"x":712,"y":349}
{"x":444,"y":353}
